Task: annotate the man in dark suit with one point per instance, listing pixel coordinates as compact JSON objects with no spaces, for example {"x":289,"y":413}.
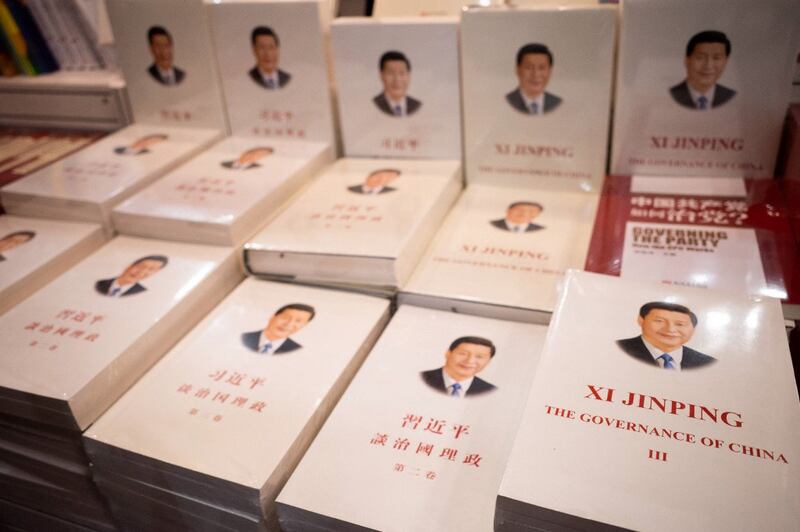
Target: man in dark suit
{"x":395,"y":74}
{"x":267,"y":51}
{"x":140,"y":146}
{"x":127,"y":283}
{"x":12,"y":240}
{"x":247,"y":159}
{"x":274,"y":338}
{"x":706,"y":57}
{"x":666,"y":327}
{"x":162,"y":70}
{"x":465,"y":358}
{"x":377,"y":182}
{"x":519,"y":217}
{"x":534,"y":66}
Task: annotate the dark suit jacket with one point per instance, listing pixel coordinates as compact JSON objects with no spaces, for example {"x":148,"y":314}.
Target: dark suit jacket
{"x":359,"y":189}
{"x":120,"y":150}
{"x":229,"y":165}
{"x":514,"y":98}
{"x":691,"y":359}
{"x":250,"y":341}
{"x":104,"y":287}
{"x":2,"y":258}
{"x":501,"y":224}
{"x":179,"y":74}
{"x":680,"y":93}
{"x":435,"y":380}
{"x":283,"y":77}
{"x":412,"y":104}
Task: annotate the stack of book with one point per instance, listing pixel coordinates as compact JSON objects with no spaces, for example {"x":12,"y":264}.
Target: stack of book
{"x":76,"y":345}
{"x":209,"y":436}
{"x":657,"y":408}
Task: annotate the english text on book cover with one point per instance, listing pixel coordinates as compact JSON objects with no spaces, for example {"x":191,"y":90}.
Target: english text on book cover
{"x":700,"y":90}
{"x":420,"y":438}
{"x":661,"y":408}
{"x":537,"y":94}
{"x":397,"y":83}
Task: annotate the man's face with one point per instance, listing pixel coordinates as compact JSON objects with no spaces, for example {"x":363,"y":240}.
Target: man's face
{"x":267,"y":53}
{"x":139,"y":271}
{"x":522,"y":214}
{"x":666,"y":329}
{"x":466,"y":360}
{"x":12,"y":241}
{"x":253,"y":156}
{"x":533,"y":74}
{"x":288,"y":322}
{"x":161,"y":48}
{"x":706,"y":65}
{"x":395,"y":78}
{"x":145,"y":142}
{"x":379,"y":180}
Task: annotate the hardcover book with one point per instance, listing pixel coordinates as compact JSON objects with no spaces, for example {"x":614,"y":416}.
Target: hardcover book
{"x":225,"y":194}
{"x":272,"y":359}
{"x":86,"y":185}
{"x":397,"y":84}
{"x":537,"y":95}
{"x":74,"y":347}
{"x":33,"y":252}
{"x":273,"y":65}
{"x":699,"y":91}
{"x":657,"y":408}
{"x":428,"y":420}
{"x":363,"y":222}
{"x":502,"y":252}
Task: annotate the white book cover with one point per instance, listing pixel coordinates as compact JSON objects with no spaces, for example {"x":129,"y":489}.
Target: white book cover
{"x":380,"y":211}
{"x":397,"y":83}
{"x":537,"y":95}
{"x":225,"y":194}
{"x":415,"y":8}
{"x":700,"y":90}
{"x":86,"y":185}
{"x":273,"y":65}
{"x":77,"y":344}
{"x":246,"y":413}
{"x":704,"y":436}
{"x":502,"y":252}
{"x":399,"y":433}
{"x":166,"y":53}
{"x":33,"y":252}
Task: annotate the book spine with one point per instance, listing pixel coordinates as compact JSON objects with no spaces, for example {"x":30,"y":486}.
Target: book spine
{"x":40,"y":55}
{"x":8,"y":67}
{"x":49,"y":34}
{"x":17,"y":42}
{"x":52,"y":9}
{"x":80,"y":34}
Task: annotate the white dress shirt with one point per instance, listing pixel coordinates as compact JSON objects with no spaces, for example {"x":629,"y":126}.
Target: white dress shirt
{"x":696,"y":96}
{"x":273,"y":77}
{"x":394,"y":105}
{"x":263,"y":340}
{"x":168,"y":76}
{"x":539,"y":101}
{"x":676,"y":354}
{"x":448,"y":383}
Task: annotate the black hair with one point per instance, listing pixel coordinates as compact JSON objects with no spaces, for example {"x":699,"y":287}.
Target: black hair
{"x":29,"y":234}
{"x":157,"y":30}
{"x":394,"y":55}
{"x":531,"y":203}
{"x":473,"y":340}
{"x":263,"y":30}
{"x":298,"y":306}
{"x":381,"y":170}
{"x":708,"y":36}
{"x":160,"y":258}
{"x":534,"y":48}
{"x":662,"y":305}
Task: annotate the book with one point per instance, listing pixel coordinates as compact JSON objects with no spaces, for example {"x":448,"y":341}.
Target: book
{"x":502,"y":252}
{"x":225,"y":194}
{"x":167,"y":56}
{"x":106,"y":321}
{"x":537,"y":95}
{"x":726,"y":234}
{"x":292,"y":100}
{"x":34,"y":252}
{"x":399,"y":434}
{"x":86,"y":185}
{"x":612,"y":438}
{"x":698,"y":91}
{"x":363,"y":222}
{"x":396,"y":97}
{"x":218,"y":394}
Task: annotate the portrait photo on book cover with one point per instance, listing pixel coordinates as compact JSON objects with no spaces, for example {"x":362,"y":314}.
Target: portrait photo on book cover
{"x":376,"y":182}
{"x":12,"y":240}
{"x":163,"y":70}
{"x":128,"y":282}
{"x":266,"y":46}
{"x":665,"y":329}
{"x":248,"y":159}
{"x":142,"y":145}
{"x":275,"y":337}
{"x":705,"y":60}
{"x":394,"y":71}
{"x":463,"y":360}
{"x":519,"y":217}
{"x":534,"y":66}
